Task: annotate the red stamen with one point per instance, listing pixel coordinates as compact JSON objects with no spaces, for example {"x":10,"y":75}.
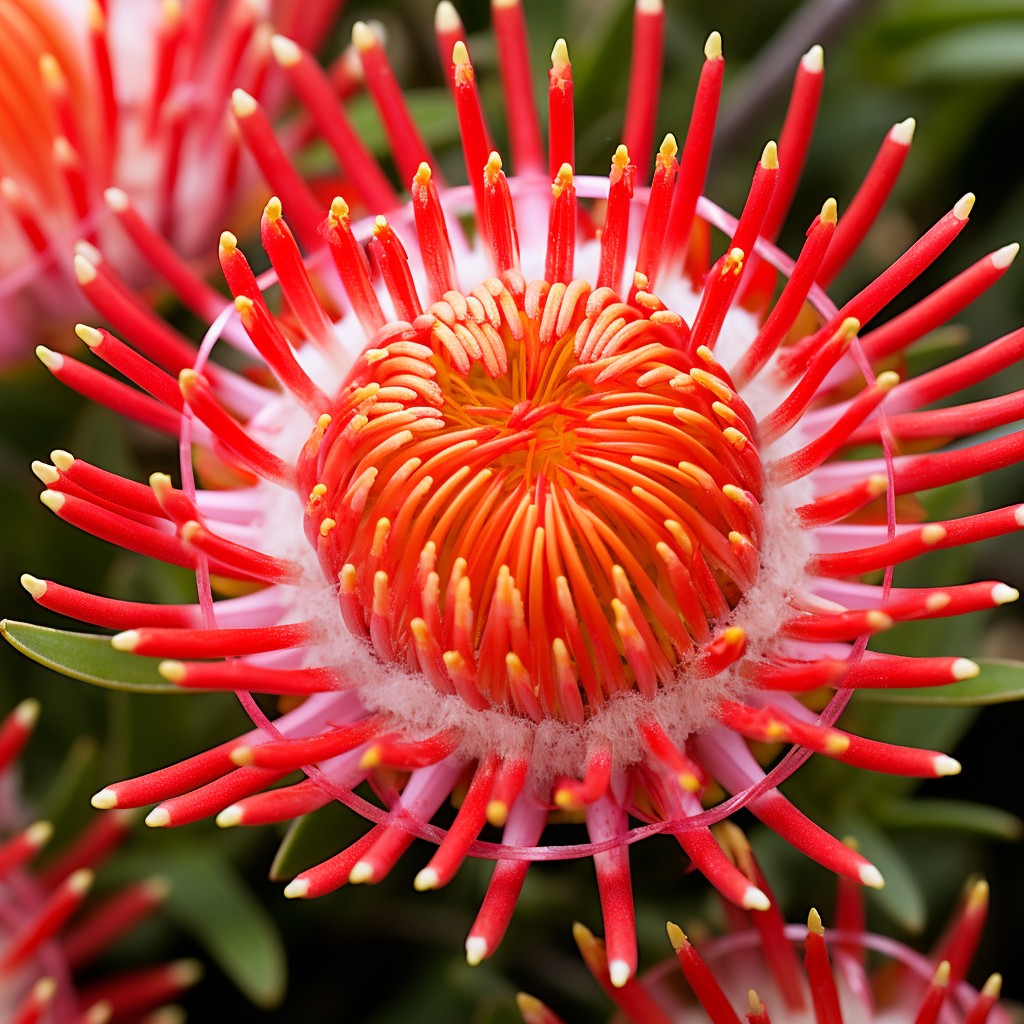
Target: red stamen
{"x":657,"y":223}
{"x":392,"y":262}
{"x":561,"y":116}
{"x":615,"y":232}
{"x":819,"y":973}
{"x":561,"y":228}
{"x":509,"y":28}
{"x":318,"y":95}
{"x":696,"y":149}
{"x":114,"y":918}
{"x":476,"y":138}
{"x":432,"y":232}
{"x":702,"y":981}
{"x":499,"y":218}
{"x":870,"y":197}
{"x":353,"y":267}
{"x":645,"y":67}
{"x":406,"y":143}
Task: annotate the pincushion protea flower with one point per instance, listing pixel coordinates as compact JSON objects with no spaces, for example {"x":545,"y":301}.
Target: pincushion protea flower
{"x":567,"y":517}
{"x":756,"y":967}
{"x":122,"y":100}
{"x":45,"y":941}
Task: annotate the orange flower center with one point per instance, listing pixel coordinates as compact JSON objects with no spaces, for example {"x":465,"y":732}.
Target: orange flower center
{"x":537,"y":502}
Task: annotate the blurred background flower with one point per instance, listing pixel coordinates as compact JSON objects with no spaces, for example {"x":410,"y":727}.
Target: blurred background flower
{"x":957,"y":72}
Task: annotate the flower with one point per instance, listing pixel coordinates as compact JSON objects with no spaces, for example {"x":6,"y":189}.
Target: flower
{"x":44,"y":940}
{"x":755,"y":965}
{"x":81,"y":122}
{"x":517,"y":517}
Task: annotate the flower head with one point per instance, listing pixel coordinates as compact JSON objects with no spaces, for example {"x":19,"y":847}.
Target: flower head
{"x":46,"y":939}
{"x":116,"y":110}
{"x":846,"y":975}
{"x":566,"y":515}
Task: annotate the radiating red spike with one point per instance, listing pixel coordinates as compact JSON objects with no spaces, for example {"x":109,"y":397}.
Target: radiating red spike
{"x":477,"y":144}
{"x":319,"y":97}
{"x":114,"y":918}
{"x":815,"y":368}
{"x":644,"y":80}
{"x":211,"y":799}
{"x":189,"y":286}
{"x":242,"y":676}
{"x":199,"y":395}
{"x":939,"y":306}
{"x":23,"y":846}
{"x":287,"y":803}
{"x":464,"y":830}
{"x":988,"y":998}
{"x":407,"y":145}
{"x":789,"y":304}
{"x":36,"y":1002}
{"x":215,"y":643}
{"x":561,"y":228}
{"x":15,"y":731}
{"x":499,"y":218}
{"x":294,"y":753}
{"x":392,"y":262}
{"x":88,"y":849}
{"x":135,"y":991}
{"x":45,"y":921}
{"x":708,"y":992}
{"x":630,"y":996}
{"x":169,"y":37}
{"x":807,"y":459}
{"x":819,"y":973}
{"x":615,"y":232}
{"x":867,"y":302}
{"x":837,"y":505}
{"x":605,"y":820}
{"x":958,"y":945}
{"x":795,"y":137}
{"x":696,"y":150}
{"x":533,"y":1011}
{"x":884,"y":671}
{"x":509,"y":28}
{"x":870,"y":197}
{"x":332,"y":874}
{"x":258,"y":135}
{"x":561,"y":115}
{"x":112,"y":394}
{"x":655,"y":233}
{"x":353,"y":268}
{"x":435,"y":247}
{"x":279,"y":244}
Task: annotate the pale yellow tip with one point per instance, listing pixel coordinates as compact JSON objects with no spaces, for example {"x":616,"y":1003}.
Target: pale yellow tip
{"x":619,"y":972}
{"x":273,"y":208}
{"x":159,"y":817}
{"x":89,"y":335}
{"x":362,"y":872}
{"x":755,"y":899}
{"x":871,"y":877}
{"x":104,"y":800}
{"x":296,"y":889}
{"x":36,"y":587}
{"x":172,"y":671}
{"x":26,"y":714}
{"x":814,"y":60}
{"x":230,"y":817}
{"x":287,"y":52}
{"x":53,"y":361}
{"x":814,"y":922}
{"x":228,"y":242}
{"x":946,"y":765}
{"x":126,"y":641}
{"x":446,"y":18}
{"x":830,"y":211}
{"x":964,"y":668}
{"x":363,"y":37}
{"x":903,"y":131}
{"x":770,"y":156}
{"x":242,"y":104}
{"x":426,"y":880}
{"x":560,"y":55}
{"x":1003,"y":594}
{"x":1002,"y":258}
{"x":460,"y":55}
{"x":476,"y":950}
{"x":676,"y":935}
{"x":53,"y":500}
{"x":713,"y":46}
{"x":80,"y":881}
{"x":964,"y":205}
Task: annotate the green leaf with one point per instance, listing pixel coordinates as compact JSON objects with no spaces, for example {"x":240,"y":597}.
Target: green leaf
{"x":209,"y":899}
{"x":902,"y":897}
{"x":951,"y":815}
{"x":88,"y":657}
{"x":999,"y":682}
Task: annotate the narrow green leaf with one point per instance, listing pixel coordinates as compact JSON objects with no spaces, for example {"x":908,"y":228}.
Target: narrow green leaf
{"x":87,"y":657}
{"x":951,"y":816}
{"x":999,"y":682}
{"x":902,"y":897}
{"x":209,"y":899}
